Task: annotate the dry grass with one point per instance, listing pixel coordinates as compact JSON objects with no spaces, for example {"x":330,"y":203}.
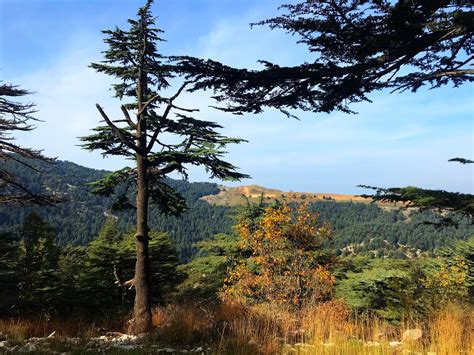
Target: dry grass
{"x":452,"y":330}
{"x":233,"y":328}
{"x":186,"y":324}
{"x":325,"y":329}
{"x":20,"y":329}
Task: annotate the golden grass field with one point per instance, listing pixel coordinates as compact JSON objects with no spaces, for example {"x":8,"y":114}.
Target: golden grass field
{"x":325,"y":329}
{"x":235,"y":329}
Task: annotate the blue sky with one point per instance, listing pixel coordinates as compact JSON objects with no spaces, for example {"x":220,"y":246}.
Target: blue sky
{"x":398,"y":140}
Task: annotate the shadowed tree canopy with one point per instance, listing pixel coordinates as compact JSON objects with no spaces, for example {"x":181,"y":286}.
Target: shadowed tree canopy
{"x":424,"y":199}
{"x":158,"y":134}
{"x":359,"y":47}
{"x":17,"y":117}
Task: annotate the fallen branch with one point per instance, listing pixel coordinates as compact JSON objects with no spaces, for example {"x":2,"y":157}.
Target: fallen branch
{"x":130,"y":283}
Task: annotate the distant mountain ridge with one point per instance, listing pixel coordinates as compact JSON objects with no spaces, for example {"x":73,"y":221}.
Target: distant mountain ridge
{"x":231,"y":196}
{"x":358,"y":227}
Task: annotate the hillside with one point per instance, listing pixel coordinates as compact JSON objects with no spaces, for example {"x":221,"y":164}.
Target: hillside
{"x":232,"y":196}
{"x":359,"y":227}
{"x":79,"y":219}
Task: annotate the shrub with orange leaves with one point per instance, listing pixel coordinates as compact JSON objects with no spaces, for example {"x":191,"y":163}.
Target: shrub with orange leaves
{"x":285,"y":264}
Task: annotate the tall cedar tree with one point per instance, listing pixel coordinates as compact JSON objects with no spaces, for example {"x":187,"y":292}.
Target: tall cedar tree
{"x":133,"y":58}
{"x":359,"y":47}
{"x":17,"y":117}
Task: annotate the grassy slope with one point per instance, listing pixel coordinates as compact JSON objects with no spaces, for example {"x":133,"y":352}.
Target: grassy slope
{"x":232,"y":196}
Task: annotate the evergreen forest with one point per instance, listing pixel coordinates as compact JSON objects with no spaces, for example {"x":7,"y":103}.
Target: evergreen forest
{"x":144,"y":258}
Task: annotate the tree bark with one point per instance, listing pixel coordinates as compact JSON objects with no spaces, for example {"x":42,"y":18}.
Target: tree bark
{"x":141,"y":322}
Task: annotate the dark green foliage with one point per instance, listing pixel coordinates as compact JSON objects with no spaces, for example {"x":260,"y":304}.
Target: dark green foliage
{"x":207,"y":271}
{"x":102,"y":255}
{"x":74,"y":294}
{"x":38,"y":256}
{"x":394,"y":289}
{"x":358,"y":47}
{"x":361,"y":228}
{"x":9,"y":292}
{"x":164,"y":261}
{"x":110,"y":258}
{"x":388,"y":288}
{"x":423,"y":199}
{"x":38,"y":277}
{"x":78,"y":220}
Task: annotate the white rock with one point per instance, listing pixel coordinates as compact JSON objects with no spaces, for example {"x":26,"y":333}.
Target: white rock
{"x":142,"y":336}
{"x":412,"y":335}
{"x":372,"y":343}
{"x":29,"y":347}
{"x":125,"y":346}
{"x":395,"y":344}
{"x":329,"y":344}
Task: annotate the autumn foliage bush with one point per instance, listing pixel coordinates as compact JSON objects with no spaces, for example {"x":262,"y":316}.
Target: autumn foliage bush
{"x":286,"y":264}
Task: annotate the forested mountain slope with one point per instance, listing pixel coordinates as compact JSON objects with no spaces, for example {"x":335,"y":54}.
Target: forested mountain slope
{"x":359,"y":227}
{"x":79,"y":219}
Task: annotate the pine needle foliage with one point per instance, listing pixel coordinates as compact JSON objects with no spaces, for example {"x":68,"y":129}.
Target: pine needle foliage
{"x":359,"y":47}
{"x":158,"y":134}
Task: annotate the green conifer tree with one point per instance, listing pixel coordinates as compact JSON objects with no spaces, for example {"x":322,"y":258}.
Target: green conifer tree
{"x":164,"y":261}
{"x":38,"y":264}
{"x":103,"y":254}
{"x":8,"y":274}
{"x":158,"y":143}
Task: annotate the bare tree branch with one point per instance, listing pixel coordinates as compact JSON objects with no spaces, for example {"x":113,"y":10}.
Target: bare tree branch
{"x":117,"y":131}
{"x":165,"y":114}
{"x":128,"y":118}
{"x":119,"y":283}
